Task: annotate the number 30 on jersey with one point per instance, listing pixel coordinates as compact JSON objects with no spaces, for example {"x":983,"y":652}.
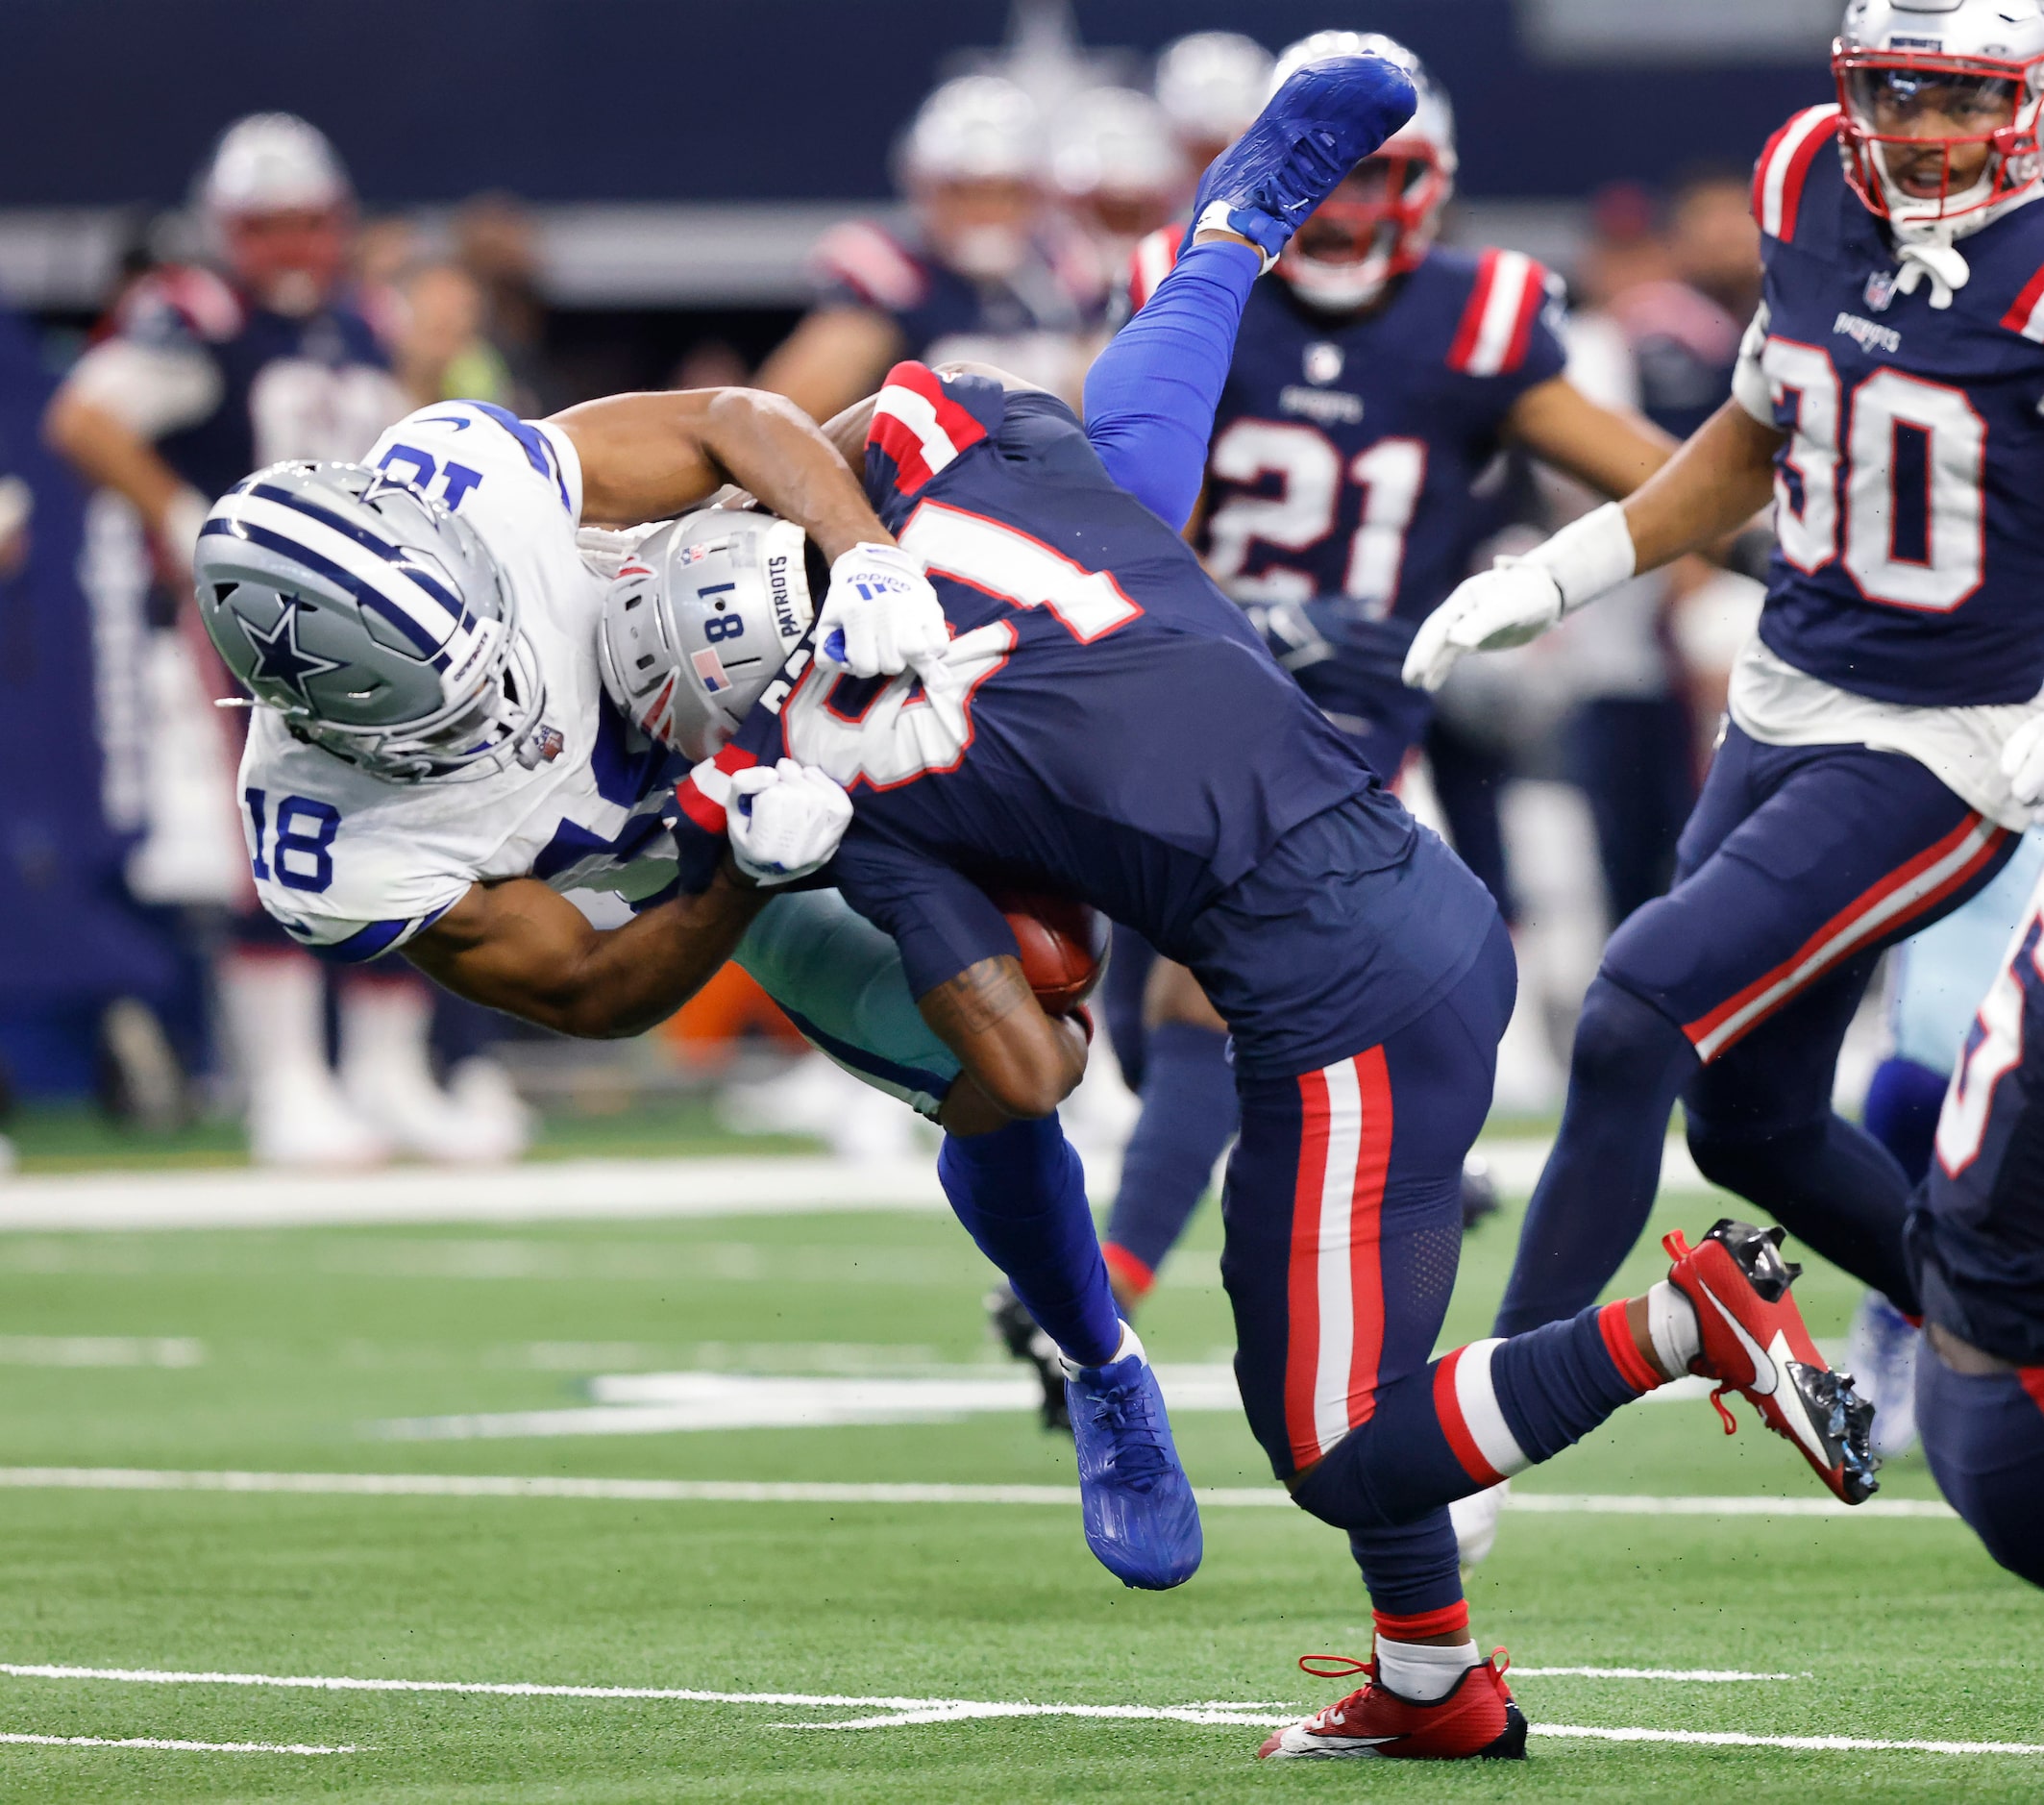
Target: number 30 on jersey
{"x":1892,"y":436}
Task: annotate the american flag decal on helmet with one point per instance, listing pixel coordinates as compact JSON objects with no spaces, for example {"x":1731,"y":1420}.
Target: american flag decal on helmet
{"x":709,"y":667}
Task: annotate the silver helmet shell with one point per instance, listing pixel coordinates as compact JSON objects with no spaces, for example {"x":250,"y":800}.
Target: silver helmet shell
{"x":699,"y":621}
{"x":373,"y":620}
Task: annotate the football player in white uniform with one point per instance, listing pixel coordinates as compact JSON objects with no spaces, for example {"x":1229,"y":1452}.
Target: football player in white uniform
{"x":449,"y":758}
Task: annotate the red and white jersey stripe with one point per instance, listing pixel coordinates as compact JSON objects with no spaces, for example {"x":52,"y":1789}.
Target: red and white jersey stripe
{"x":705,"y":793}
{"x":1897,"y":898}
{"x":2026,"y":316}
{"x":1784,"y":167}
{"x":1151,"y":260}
{"x":919,"y":426}
{"x":1496,"y":329}
{"x":1465,"y":1400}
{"x":1334,"y":1302}
{"x":868,"y":260}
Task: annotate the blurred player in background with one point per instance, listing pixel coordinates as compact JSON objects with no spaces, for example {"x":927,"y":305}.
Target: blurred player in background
{"x":1885,"y":394}
{"x":1211,"y":85}
{"x":1104,"y":724}
{"x":1117,"y":171}
{"x":1377,"y":379}
{"x":984,"y":271}
{"x":209,"y":371}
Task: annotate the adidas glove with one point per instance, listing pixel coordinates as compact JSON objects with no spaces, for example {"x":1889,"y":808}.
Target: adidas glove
{"x":881,"y":615}
{"x":784,"y":820}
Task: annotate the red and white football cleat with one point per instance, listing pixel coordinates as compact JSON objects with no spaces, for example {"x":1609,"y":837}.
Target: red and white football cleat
{"x":1753,"y":1343}
{"x":1477,"y":1720}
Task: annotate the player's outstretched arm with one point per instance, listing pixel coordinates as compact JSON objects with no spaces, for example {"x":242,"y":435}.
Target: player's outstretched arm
{"x":521,"y":947}
{"x":649,"y":457}
{"x":1603,"y":448}
{"x":1021,"y":1060}
{"x":1717,"y":482}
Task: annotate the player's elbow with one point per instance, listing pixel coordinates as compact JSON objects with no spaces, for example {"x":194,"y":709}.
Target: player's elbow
{"x":1028,"y":1076}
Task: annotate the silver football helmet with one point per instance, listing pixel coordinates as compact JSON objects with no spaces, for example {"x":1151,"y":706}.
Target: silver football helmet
{"x":374,"y":621}
{"x":699,"y":621}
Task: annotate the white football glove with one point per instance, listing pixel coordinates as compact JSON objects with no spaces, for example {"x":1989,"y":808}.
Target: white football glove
{"x":1505,"y":606}
{"x":881,"y":615}
{"x":2023,"y":761}
{"x":784,"y":820}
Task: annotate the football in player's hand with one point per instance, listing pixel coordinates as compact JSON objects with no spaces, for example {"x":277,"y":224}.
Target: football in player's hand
{"x":1063,"y":946}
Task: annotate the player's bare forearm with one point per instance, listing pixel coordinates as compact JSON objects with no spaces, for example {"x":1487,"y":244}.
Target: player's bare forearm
{"x":1608,"y":451}
{"x":520,"y":948}
{"x":646,"y":456}
{"x":1023,"y":1061}
{"x":109,"y":453}
{"x":1711,"y":488}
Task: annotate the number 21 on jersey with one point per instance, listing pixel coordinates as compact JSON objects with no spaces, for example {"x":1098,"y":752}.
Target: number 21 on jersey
{"x":1389,"y":476}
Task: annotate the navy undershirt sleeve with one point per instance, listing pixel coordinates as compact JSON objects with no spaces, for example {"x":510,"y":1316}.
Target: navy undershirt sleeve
{"x":1150,"y":395}
{"x":943,"y":922}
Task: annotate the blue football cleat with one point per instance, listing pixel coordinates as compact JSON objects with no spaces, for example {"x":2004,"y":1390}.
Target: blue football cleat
{"x":1327,"y":118}
{"x":1141,"y":1521}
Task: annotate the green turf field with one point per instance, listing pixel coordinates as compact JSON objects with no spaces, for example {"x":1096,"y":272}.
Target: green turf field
{"x":277,"y":1352}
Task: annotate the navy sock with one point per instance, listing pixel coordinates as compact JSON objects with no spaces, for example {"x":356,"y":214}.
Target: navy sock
{"x":1020,"y":1192}
{"x":1410,"y":1569}
{"x":1190,"y":1113}
{"x":1828,"y":1183}
{"x":1475,"y":1416}
{"x":1902,"y":1108}
{"x":1597,"y":1190}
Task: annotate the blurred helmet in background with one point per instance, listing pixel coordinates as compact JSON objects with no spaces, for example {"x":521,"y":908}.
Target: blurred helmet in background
{"x":1939,"y":101}
{"x":1115,"y":164}
{"x":972,"y":162}
{"x":1211,"y":85}
{"x":277,"y":208}
{"x":700,"y":620}
{"x":1382,"y":219}
{"x":373,"y":620}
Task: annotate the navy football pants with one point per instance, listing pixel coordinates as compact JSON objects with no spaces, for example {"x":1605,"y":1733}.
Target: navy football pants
{"x":1983,"y":1436}
{"x":1733,"y":992}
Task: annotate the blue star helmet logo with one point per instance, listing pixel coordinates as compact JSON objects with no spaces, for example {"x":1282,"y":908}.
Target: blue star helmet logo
{"x":279,"y":657}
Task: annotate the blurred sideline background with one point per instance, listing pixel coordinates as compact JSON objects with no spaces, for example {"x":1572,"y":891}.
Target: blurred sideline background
{"x":556,"y":201}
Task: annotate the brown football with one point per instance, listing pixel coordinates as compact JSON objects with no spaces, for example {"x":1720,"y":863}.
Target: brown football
{"x":1063,"y":946}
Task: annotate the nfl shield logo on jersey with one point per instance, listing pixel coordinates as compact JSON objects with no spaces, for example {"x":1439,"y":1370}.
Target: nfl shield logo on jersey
{"x":1323,"y":362}
{"x":1881,"y":289}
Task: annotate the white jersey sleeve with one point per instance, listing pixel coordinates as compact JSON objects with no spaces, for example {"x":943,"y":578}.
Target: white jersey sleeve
{"x":488,"y":467}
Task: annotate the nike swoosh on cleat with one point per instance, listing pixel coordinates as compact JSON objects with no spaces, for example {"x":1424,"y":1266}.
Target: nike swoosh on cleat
{"x":1766,"y":1376}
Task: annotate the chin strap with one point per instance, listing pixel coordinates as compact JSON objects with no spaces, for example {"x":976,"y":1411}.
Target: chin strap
{"x":1938,"y":259}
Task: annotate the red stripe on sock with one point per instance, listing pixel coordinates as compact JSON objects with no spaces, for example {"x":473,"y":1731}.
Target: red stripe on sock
{"x":1624,"y":1351}
{"x":1422,"y":1624}
{"x":1448,"y":1408}
{"x":1123,"y":1265}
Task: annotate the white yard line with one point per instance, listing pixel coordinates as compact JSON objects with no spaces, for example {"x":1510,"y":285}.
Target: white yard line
{"x":586,"y":1189}
{"x":776,"y":1491}
{"x":904,"y":1713}
{"x":1699,"y":1676}
{"x":178,"y":1745}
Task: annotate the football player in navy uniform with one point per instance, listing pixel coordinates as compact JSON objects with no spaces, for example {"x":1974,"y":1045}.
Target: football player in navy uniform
{"x":1886,"y":397}
{"x":985,"y":271}
{"x":211,"y":370}
{"x":1975,"y":1246}
{"x":1378,"y":379}
{"x":1106,"y":724}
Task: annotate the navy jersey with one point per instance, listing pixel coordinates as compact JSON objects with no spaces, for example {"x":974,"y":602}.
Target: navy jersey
{"x":1977,"y":1229}
{"x":1347,"y":453}
{"x":941,"y":314}
{"x":1107,"y":726}
{"x":317,"y":387}
{"x":1911,"y":492}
